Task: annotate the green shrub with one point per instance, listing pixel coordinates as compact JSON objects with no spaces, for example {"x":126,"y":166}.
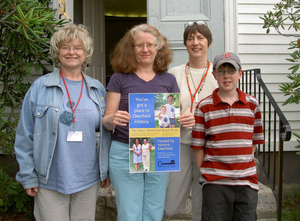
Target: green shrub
{"x":12,"y":195}
{"x":285,"y":16}
{"x":290,"y":206}
{"x":26,"y":27}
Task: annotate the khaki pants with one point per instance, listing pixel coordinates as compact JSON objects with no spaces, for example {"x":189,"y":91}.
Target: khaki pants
{"x":51,"y":205}
{"x":146,"y":161}
{"x":180,"y":185}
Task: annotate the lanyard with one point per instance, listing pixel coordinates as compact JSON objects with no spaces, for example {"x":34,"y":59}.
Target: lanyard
{"x":193,"y":96}
{"x":73,"y":110}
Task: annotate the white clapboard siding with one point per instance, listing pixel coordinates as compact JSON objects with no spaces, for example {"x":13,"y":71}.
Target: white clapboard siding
{"x":267,"y":52}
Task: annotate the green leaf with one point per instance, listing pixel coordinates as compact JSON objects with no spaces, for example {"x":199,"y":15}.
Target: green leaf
{"x":19,"y":12}
{"x":3,"y":4}
{"x":25,"y":33}
{"x":19,"y":205}
{"x":295,"y":69}
{"x":19,"y":28}
{"x":291,"y":60}
{"x":29,"y":14}
{"x":32,"y":32}
{"x":297,"y":135}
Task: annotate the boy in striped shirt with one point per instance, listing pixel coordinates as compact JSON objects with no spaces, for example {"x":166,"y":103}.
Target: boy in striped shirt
{"x":228,"y":128}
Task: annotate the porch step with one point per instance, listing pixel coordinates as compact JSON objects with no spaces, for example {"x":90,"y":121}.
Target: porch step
{"x":106,"y":206}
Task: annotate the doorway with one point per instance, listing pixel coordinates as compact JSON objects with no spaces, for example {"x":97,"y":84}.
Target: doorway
{"x":119,"y":16}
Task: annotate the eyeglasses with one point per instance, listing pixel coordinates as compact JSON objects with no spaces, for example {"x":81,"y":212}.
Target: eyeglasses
{"x":67,"y":48}
{"x":193,"y":22}
{"x":222,"y":72}
{"x":148,"y":45}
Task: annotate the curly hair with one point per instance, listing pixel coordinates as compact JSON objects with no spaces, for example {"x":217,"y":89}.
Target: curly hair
{"x":123,"y":57}
{"x":67,"y":34}
{"x":202,"y":29}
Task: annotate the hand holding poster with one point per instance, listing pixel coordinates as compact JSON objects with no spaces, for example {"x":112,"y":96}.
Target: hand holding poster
{"x":154,"y":132}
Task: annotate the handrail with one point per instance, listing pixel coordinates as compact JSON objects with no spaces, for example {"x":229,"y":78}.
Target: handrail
{"x":288,"y":131}
{"x":252,"y":83}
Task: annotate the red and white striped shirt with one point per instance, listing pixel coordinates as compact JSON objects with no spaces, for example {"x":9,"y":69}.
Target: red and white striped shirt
{"x":228,"y":133}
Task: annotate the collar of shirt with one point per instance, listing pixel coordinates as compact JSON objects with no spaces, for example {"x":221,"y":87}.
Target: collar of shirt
{"x":217,"y":100}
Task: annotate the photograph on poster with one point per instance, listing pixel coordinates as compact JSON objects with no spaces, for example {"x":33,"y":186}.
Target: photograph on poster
{"x":154,"y":132}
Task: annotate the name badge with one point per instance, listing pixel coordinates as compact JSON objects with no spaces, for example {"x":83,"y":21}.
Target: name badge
{"x":74,"y":136}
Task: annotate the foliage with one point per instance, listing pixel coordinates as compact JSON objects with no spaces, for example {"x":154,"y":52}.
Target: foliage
{"x":25,"y":29}
{"x":286,"y":14}
{"x":12,"y":195}
{"x":298,"y":140}
{"x":290,"y":206}
{"x":162,"y":99}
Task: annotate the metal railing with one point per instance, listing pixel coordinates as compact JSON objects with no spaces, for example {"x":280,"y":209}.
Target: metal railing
{"x":276,"y":130}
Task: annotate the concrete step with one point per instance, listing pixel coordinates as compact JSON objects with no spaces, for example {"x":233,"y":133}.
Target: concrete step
{"x":106,"y":206}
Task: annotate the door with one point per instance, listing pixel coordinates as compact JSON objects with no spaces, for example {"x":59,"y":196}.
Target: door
{"x":93,"y":17}
{"x":169,"y":17}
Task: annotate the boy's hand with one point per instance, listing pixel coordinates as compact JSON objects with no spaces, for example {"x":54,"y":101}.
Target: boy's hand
{"x":253,"y":148}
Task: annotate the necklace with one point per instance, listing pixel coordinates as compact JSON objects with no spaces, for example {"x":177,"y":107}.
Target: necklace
{"x":73,"y":109}
{"x":200,"y":89}
{"x":195,"y":96}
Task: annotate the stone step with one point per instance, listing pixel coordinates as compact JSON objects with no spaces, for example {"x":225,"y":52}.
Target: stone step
{"x":266,"y":208}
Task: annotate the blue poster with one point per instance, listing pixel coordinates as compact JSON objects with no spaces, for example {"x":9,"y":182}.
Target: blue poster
{"x":154,"y":132}
{"x":141,"y":110}
{"x":168,"y":150}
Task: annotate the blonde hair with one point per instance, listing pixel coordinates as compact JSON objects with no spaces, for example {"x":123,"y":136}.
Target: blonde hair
{"x":163,"y":106}
{"x":68,"y":33}
{"x":123,"y":57}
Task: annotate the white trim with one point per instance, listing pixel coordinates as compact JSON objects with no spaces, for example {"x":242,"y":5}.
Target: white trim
{"x":231,"y":25}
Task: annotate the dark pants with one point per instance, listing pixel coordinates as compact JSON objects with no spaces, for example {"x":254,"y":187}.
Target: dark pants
{"x":226,"y":203}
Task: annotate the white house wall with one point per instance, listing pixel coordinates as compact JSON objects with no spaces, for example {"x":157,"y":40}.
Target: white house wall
{"x":267,"y":52}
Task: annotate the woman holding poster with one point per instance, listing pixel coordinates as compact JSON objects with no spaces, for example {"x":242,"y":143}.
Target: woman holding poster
{"x":196,"y":81}
{"x":140,"y":61}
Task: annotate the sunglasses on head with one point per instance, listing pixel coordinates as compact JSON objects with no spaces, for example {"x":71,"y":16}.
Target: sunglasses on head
{"x":193,"y":22}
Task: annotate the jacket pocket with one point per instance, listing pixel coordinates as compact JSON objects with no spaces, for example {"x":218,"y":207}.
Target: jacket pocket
{"x":41,"y":121}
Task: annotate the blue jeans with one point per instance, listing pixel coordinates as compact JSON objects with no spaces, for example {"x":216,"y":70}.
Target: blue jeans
{"x":139,"y":196}
{"x":173,"y":122}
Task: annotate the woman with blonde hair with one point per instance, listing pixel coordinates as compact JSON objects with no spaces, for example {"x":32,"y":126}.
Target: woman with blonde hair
{"x":62,"y":156}
{"x":140,"y":61}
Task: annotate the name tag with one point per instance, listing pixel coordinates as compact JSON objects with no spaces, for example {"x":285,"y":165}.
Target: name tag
{"x":74,"y":136}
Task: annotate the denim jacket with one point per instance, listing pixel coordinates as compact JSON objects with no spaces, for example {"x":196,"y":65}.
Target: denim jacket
{"x":36,"y":134}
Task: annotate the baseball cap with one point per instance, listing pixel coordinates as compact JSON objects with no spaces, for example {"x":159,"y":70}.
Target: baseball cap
{"x":228,"y":57}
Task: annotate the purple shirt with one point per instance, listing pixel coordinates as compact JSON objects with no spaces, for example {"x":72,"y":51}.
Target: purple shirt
{"x":131,"y":83}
